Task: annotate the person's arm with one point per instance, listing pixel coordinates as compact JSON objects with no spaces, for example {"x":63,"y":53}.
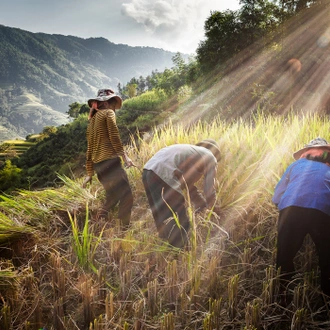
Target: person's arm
{"x":197,"y":198}
{"x":89,"y":163}
{"x":209,"y":182}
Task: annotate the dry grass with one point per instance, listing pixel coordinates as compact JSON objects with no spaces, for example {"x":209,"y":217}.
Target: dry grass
{"x":65,"y":271}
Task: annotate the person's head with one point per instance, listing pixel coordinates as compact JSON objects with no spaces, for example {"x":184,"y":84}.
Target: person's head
{"x":106,"y":98}
{"x":315,"y":148}
{"x":110,"y":104}
{"x":212,"y":146}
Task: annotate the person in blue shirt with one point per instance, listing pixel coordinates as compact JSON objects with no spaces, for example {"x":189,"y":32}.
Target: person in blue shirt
{"x":170,"y":171}
{"x":303,"y":198}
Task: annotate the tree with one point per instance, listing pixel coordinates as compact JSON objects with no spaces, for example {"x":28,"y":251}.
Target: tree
{"x":179,"y":62}
{"x":131,"y":90}
{"x":258,"y":18}
{"x":84,"y":109}
{"x":49,"y":130}
{"x":292,"y":7}
{"x":9,"y":176}
{"x":222,"y":32}
{"x":142,"y":84}
{"x":120,"y":90}
{"x":74,"y":109}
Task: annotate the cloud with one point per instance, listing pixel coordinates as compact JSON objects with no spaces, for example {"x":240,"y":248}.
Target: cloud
{"x":180,"y":25}
{"x":174,"y":25}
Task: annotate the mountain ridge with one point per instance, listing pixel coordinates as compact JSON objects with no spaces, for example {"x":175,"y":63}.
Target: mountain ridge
{"x":58,"y":70}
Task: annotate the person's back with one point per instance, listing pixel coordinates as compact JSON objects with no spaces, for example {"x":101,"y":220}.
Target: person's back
{"x":303,"y":199}
{"x":103,"y":136}
{"x":306,"y":183}
{"x":179,"y":162}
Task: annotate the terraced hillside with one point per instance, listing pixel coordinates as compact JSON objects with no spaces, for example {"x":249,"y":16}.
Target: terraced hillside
{"x":14,"y":148}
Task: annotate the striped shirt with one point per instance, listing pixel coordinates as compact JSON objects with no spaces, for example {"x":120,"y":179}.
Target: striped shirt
{"x":103,"y":139}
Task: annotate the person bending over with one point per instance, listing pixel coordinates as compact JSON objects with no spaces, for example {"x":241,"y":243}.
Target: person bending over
{"x":170,"y":171}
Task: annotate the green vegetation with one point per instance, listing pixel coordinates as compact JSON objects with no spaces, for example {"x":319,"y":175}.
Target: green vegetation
{"x":59,"y":150}
{"x":83,"y":274}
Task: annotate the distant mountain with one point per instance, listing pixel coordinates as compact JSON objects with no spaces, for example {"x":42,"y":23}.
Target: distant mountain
{"x":41,"y":74}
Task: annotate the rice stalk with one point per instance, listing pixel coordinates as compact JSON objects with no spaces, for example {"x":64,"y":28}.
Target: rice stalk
{"x":58,"y":315}
{"x":139,"y":310}
{"x":167,"y":322}
{"x":5,"y":319}
{"x":125,"y":283}
{"x":299,"y":296}
{"x":101,"y":275}
{"x":109,"y":306}
{"x":247,"y":262}
{"x":126,"y":326}
{"x":9,"y":277}
{"x":172,"y":275}
{"x":213,"y":318}
{"x":232,"y":296}
{"x":213,"y":275}
{"x":298,"y":319}
{"x":152,"y":300}
{"x":58,"y":276}
{"x":97,"y":324}
{"x":270,"y":286}
{"x":86,"y":294}
{"x":195,"y":282}
{"x":252,"y":315}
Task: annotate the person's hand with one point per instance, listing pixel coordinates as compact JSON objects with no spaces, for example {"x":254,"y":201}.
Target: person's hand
{"x":94,"y":105}
{"x":92,"y":109}
{"x":128,"y":161}
{"x":87,"y":179}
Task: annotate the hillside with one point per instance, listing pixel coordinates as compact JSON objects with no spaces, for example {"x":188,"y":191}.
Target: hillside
{"x":41,"y":74}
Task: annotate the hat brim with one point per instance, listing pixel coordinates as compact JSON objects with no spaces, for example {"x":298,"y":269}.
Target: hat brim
{"x":297,"y":154}
{"x":213,"y":147}
{"x":106,"y":98}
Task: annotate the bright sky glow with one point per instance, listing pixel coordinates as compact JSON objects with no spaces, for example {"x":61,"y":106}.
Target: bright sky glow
{"x":174,"y":25}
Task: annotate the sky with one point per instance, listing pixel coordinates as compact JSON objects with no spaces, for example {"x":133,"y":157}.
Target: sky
{"x":173,"y":25}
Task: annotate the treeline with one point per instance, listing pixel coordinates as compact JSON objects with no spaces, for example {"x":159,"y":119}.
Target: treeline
{"x":258,"y":22}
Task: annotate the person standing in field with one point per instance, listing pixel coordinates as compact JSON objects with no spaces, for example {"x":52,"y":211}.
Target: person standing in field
{"x":303,"y":198}
{"x":104,"y":153}
{"x":170,"y":171}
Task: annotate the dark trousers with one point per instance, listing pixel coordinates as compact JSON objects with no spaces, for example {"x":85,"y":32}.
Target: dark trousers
{"x":163,"y":201}
{"x":293,"y":225}
{"x":115,"y":182}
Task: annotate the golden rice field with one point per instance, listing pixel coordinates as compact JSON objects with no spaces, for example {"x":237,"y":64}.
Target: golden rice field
{"x":59,"y":269}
